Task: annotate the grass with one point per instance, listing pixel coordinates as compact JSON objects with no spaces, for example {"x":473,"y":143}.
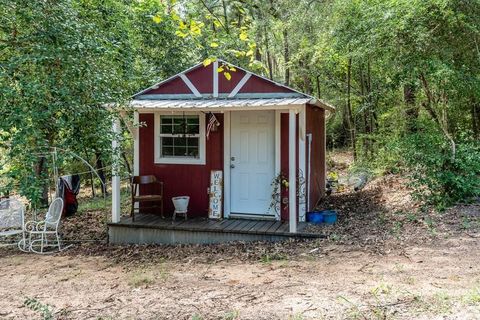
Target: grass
{"x":231,"y":315}
{"x":472,"y":298}
{"x":147,"y":277}
{"x":99,"y":203}
{"x":141,"y":279}
{"x":269,"y":258}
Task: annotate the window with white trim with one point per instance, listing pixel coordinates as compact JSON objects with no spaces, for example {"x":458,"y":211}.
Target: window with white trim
{"x":180,"y":138}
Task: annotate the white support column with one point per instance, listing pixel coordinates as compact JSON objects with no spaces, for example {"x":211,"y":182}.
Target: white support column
{"x":226,"y":164}
{"x":278,"y":160}
{"x":292,"y":171}
{"x":136,"y":149}
{"x":136,"y":144}
{"x":115,"y":177}
{"x":302,"y":125}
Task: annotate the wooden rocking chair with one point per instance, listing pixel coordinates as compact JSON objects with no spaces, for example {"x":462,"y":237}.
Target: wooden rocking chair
{"x":153,"y":198}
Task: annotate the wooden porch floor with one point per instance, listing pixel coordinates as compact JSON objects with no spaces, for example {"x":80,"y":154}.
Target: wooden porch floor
{"x":148,"y":228}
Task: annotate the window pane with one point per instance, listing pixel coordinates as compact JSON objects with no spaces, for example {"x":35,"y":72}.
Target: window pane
{"x":166,"y":129}
{"x":180,"y":142}
{"x":193,"y":120}
{"x":179,"y":129}
{"x":193,"y":129}
{"x":180,"y":136}
{"x":180,"y":151}
{"x":167,"y":141}
{"x":166,"y":120}
{"x":192,"y":152}
{"x":167,"y":151}
{"x":192,"y":142}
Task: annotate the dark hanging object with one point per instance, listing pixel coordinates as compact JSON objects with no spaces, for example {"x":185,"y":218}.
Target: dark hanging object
{"x":68,"y":188}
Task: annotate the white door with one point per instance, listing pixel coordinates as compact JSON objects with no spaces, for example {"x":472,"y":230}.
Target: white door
{"x":252,"y":161}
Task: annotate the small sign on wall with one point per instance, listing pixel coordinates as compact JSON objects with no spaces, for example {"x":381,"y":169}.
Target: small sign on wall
{"x":216,"y":194}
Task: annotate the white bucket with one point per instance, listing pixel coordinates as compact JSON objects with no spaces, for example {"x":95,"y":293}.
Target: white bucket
{"x":181,"y":204}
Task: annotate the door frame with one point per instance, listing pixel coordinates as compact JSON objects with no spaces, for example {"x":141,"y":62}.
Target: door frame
{"x":227,"y":154}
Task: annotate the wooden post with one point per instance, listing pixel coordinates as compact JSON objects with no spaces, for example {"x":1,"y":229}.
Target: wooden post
{"x":292,"y":171}
{"x":115,"y":177}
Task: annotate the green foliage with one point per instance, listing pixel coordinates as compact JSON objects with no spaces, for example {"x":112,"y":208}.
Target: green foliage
{"x":44,"y":310}
{"x":438,"y":178}
{"x":413,"y":70}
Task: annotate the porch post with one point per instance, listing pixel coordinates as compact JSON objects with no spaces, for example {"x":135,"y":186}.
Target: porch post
{"x":292,"y":171}
{"x":115,"y":176}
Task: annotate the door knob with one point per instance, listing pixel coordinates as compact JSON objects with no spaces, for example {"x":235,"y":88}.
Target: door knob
{"x":232,"y":158}
{"x":232,"y":166}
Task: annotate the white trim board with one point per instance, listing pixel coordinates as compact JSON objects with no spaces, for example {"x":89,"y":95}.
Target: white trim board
{"x":190,"y":85}
{"x":302,"y":211}
{"x":240,"y":85}
{"x":278,"y":157}
{"x":215,"y":79}
{"x":226,"y":164}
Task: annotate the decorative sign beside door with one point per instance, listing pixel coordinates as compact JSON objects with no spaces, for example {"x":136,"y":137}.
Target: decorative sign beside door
{"x":216,"y":194}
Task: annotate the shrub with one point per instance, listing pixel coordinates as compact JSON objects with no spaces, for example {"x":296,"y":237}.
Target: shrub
{"x":437,"y":177}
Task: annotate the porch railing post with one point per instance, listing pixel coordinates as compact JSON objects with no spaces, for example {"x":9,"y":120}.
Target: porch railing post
{"x":292,"y":171}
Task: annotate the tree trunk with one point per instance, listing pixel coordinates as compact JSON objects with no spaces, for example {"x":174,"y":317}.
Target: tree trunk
{"x":411,"y":109}
{"x":127,"y":164}
{"x":350,"y":118}
{"x":92,"y":184}
{"x":269,"y":58}
{"x":227,"y":27}
{"x":441,"y":122}
{"x":318,"y":86}
{"x":40,"y":173}
{"x":101,"y":172}
{"x":475,"y":110}
{"x":286,"y":57}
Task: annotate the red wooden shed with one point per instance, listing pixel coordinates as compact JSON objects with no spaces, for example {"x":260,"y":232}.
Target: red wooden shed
{"x":261,"y":136}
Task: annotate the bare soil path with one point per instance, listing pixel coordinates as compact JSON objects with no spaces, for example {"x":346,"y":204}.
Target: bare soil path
{"x":436,"y":281}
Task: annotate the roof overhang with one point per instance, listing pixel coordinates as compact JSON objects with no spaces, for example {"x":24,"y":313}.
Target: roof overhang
{"x":211,"y":105}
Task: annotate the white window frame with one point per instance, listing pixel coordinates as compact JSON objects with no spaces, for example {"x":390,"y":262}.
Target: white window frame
{"x":180,"y":160}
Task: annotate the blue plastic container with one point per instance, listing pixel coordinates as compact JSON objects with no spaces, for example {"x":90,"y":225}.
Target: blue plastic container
{"x":329,"y":216}
{"x":315,"y":217}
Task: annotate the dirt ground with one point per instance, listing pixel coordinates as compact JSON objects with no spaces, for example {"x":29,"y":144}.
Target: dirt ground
{"x":386,"y":258}
{"x":440,"y":281}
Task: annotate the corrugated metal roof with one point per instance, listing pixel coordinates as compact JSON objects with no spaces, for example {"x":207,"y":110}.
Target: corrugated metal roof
{"x":219,"y":103}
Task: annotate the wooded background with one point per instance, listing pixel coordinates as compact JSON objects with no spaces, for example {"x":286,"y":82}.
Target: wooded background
{"x":403,"y":74}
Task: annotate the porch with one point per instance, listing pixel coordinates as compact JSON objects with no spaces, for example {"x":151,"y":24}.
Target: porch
{"x":149,"y":229}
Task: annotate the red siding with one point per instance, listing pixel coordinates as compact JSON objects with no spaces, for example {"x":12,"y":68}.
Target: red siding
{"x":316,"y":126}
{"x":258,"y":85}
{"x":191,"y":180}
{"x":175,"y":86}
{"x":226,"y":86}
{"x":202,"y":78}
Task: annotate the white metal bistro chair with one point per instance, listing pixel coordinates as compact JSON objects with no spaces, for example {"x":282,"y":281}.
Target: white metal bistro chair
{"x":12,"y":220}
{"x":44,"y":229}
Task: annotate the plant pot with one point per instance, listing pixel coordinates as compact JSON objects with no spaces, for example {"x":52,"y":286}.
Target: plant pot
{"x":315,"y":217}
{"x":330,"y":216}
{"x":181,"y":203}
